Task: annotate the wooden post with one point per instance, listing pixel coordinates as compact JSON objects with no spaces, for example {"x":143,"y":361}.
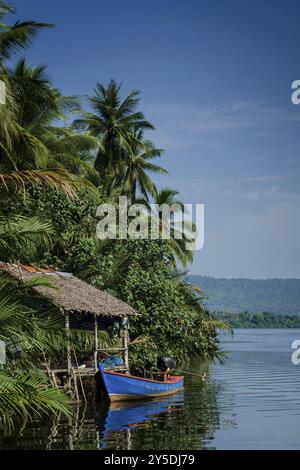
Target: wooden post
{"x":69,"y":363}
{"x":96,"y":342}
{"x":75,"y":385}
{"x":125,"y":346}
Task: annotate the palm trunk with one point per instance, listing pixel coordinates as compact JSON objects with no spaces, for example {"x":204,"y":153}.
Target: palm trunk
{"x":133,"y":189}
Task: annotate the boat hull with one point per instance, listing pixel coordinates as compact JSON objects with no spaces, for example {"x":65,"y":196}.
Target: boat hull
{"x":121,"y":387}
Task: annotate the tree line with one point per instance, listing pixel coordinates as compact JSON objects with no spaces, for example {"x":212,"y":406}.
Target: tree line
{"x":258,"y":320}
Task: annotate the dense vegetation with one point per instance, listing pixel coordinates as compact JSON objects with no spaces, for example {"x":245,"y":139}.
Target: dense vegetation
{"x":58,"y":162}
{"x":258,"y":320}
{"x":278,"y":296}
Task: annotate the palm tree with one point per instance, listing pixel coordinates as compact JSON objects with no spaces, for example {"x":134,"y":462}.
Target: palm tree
{"x":13,"y":38}
{"x":114,"y":120}
{"x":138,"y":164}
{"x":168,"y":196}
{"x":41,"y":140}
{"x":18,"y":35}
{"x":180,"y":234}
{"x":12,"y":134}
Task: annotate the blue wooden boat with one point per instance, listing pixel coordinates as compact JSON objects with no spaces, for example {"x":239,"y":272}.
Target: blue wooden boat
{"x":122,"y":387}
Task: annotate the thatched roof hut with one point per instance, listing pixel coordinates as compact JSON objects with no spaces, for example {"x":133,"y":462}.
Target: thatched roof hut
{"x":83,"y":305}
{"x":70,"y":293}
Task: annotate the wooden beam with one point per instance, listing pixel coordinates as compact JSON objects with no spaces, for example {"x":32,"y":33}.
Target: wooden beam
{"x":110,"y":349}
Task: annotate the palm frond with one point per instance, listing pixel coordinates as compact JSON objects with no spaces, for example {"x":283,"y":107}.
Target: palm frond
{"x":56,"y":178}
{"x":18,"y":36}
{"x":21,"y":236}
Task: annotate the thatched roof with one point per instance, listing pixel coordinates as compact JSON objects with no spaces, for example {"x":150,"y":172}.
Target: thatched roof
{"x":71,"y":294}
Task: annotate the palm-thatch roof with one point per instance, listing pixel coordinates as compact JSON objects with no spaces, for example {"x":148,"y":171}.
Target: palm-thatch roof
{"x":70,"y":293}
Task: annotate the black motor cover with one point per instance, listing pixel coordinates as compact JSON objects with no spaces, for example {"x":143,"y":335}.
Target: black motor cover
{"x":166,"y":362}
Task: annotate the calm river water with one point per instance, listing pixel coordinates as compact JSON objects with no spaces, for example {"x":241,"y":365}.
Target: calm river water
{"x":250,"y":402}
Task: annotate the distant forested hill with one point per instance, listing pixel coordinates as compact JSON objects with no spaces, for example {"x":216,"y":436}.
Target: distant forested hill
{"x":240,"y":295}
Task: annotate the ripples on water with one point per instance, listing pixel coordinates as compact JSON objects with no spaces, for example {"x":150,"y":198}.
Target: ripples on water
{"x":250,"y":402}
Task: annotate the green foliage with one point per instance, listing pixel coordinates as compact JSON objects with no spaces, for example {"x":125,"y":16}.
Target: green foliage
{"x":168,"y":321}
{"x":22,"y":235}
{"x":72,"y":223}
{"x":28,"y":334}
{"x":140,"y":272}
{"x":24,"y":394}
{"x":53,"y":175}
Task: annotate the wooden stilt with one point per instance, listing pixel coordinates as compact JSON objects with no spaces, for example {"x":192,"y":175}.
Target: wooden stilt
{"x":79,"y":376}
{"x":96,"y":343}
{"x":69,"y":362}
{"x":125,"y":346}
{"x":75,"y":385}
{"x":54,"y":380}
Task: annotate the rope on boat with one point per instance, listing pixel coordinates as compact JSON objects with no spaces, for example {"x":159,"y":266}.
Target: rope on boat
{"x":203,"y":376}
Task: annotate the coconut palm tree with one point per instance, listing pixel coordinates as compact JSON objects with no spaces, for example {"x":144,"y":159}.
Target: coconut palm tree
{"x":16,"y":36}
{"x":114,"y":120}
{"x":168,"y":196}
{"x":41,"y":140}
{"x":180,"y":234}
{"x":138,"y":164}
{"x":13,"y":38}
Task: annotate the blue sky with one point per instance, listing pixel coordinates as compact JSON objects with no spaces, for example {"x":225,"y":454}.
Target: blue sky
{"x":215,"y":78}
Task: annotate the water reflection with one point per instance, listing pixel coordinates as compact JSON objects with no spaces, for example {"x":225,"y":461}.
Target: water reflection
{"x":250,"y":402}
{"x":186,"y":420}
{"x":133,"y":415}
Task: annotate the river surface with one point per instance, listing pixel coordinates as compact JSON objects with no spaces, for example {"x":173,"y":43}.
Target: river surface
{"x":250,"y":402}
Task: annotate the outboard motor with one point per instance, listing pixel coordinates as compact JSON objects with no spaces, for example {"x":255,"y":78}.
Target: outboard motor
{"x":166,"y":363}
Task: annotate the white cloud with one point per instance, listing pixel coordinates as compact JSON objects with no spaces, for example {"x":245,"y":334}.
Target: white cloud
{"x":231,"y":116}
